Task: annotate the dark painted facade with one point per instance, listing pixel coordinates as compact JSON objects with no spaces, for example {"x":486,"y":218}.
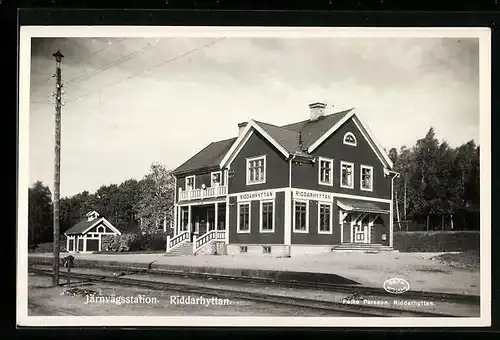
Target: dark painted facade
{"x":305,"y":176}
{"x":256,"y":236}
{"x":277,"y":167}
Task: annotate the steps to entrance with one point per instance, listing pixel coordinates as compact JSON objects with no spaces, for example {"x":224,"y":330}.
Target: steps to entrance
{"x":183,"y":250}
{"x":362,"y":247}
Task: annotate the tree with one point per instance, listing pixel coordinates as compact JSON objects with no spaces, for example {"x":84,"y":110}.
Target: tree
{"x":39,"y":214}
{"x":156,"y":198}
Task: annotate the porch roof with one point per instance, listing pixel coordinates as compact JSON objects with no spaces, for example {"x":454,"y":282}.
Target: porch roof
{"x":202,"y":201}
{"x":362,"y":206}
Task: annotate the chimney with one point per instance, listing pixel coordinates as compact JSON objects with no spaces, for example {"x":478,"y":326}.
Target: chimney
{"x":317,"y":110}
{"x":241,"y":127}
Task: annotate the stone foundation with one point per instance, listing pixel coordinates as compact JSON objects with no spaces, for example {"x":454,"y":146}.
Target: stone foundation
{"x":276,"y":250}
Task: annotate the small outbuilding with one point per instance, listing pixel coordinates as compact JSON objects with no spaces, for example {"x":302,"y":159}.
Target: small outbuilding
{"x":86,"y":235}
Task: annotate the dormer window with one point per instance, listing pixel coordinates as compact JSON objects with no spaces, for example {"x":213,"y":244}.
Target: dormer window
{"x":350,"y":139}
{"x":216,"y":178}
{"x":190,"y":183}
{"x":92,"y":215}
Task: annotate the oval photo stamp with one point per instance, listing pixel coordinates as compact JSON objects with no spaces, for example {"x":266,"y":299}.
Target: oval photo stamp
{"x":396,"y":285}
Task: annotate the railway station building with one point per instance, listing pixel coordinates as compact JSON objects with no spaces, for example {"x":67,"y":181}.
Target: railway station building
{"x":317,"y":185}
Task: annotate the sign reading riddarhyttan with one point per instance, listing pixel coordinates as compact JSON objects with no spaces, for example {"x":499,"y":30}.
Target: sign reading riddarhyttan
{"x":256,"y":195}
{"x":314,"y":195}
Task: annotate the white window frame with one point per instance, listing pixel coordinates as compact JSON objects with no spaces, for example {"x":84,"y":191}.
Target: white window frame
{"x":342,"y":163}
{"x":329,"y":160}
{"x":361,"y":177}
{"x":248,"y":160}
{"x":295,"y":201}
{"x":186,"y":183}
{"x":261,"y":213}
{"x":99,"y":228}
{"x":319,"y":218}
{"x":238,"y":230}
{"x":350,"y":134}
{"x":212,"y":179}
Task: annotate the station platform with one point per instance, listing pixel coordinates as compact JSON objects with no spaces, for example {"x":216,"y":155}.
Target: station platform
{"x":421,"y":270}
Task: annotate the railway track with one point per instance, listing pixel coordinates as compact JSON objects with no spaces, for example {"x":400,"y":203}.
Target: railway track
{"x":235,"y":295}
{"x":347,"y":288}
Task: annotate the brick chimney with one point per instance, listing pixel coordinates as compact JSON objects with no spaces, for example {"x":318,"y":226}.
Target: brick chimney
{"x":241,"y":127}
{"x":317,"y":110}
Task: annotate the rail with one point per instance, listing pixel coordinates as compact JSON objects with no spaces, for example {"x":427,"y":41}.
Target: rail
{"x":177,"y":240}
{"x":186,"y":195}
{"x":203,"y":240}
{"x":236,"y":294}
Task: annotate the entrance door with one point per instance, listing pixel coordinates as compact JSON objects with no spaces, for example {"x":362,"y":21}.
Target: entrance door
{"x":361,"y":233}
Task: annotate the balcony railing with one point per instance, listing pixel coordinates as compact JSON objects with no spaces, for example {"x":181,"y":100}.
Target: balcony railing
{"x":196,"y":194}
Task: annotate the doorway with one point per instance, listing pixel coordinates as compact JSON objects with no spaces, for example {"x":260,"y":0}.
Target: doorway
{"x":361,"y":233}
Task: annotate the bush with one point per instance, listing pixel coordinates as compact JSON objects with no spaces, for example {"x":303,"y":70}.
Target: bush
{"x":134,"y":242}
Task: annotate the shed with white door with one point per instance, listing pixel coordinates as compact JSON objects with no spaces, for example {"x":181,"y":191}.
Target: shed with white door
{"x":87,"y":234}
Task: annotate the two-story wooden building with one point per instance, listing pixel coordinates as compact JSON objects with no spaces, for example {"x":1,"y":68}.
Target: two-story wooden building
{"x":312,"y":186}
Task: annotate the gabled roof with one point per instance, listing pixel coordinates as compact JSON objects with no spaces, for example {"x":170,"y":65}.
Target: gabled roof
{"x":81,"y":226}
{"x":208,"y":157}
{"x":300,"y":138}
{"x":311,"y":131}
{"x":85,"y":225}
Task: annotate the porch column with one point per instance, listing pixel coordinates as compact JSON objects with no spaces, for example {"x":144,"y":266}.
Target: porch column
{"x":174,"y":225}
{"x":391,"y":217}
{"x":216,"y":216}
{"x":67,"y":243}
{"x":352,"y":230}
{"x":189,"y":218}
{"x":227,"y":219}
{"x":84,"y":242}
{"x":288,"y":217}
{"x":341,"y":223}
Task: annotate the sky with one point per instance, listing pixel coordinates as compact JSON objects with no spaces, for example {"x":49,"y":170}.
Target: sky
{"x":133,"y":101}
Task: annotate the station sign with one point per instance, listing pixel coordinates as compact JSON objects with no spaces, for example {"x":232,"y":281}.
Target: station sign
{"x":257,"y":195}
{"x":313,"y":195}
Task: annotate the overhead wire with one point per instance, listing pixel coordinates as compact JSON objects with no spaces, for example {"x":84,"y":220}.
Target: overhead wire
{"x":82,"y":60}
{"x":149,"y":68}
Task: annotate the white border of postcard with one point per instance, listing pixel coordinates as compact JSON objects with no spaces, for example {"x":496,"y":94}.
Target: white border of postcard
{"x":28,"y":32}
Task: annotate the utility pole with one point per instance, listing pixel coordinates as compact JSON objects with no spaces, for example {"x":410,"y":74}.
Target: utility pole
{"x":57,"y":166}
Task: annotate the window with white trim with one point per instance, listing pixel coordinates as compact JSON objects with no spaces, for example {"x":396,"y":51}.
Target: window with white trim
{"x":267,"y":216}
{"x":244,"y":217}
{"x":366,"y":178}
{"x":300,"y":216}
{"x":216,"y":178}
{"x":325,"y":171}
{"x":101,"y":229}
{"x":350,"y":139}
{"x":190,"y":183}
{"x":256,"y":170}
{"x":347,"y":175}
{"x":324,"y":218}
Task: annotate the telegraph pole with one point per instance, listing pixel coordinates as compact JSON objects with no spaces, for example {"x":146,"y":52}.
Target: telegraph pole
{"x":57,"y":167}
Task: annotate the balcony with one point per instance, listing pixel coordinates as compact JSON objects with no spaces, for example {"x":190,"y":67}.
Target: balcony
{"x":197,"y":194}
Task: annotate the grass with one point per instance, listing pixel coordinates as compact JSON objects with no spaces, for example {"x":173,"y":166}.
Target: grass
{"x":47,"y":247}
{"x":436,"y":241}
{"x":468,"y":260}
